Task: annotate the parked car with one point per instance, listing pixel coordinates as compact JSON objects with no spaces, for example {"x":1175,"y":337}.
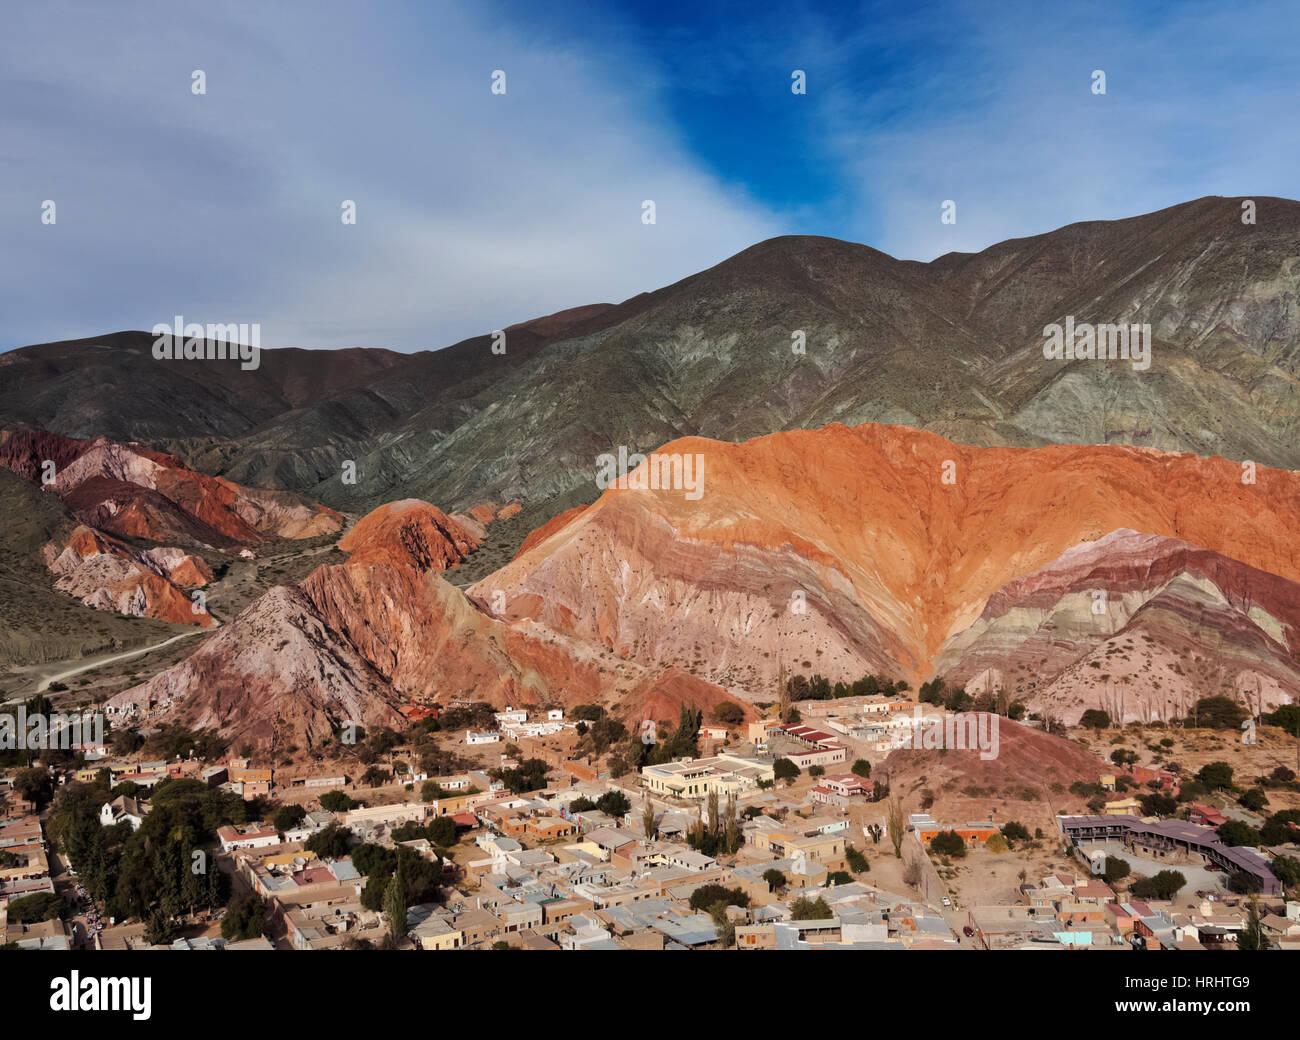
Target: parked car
{"x":968,"y":931}
{"x":947,"y":901}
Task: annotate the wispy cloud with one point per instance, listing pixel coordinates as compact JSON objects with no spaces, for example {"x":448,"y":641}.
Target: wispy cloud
{"x":474,"y":210}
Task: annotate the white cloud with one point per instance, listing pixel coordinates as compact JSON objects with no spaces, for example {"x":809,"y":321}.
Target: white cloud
{"x":474,"y":211}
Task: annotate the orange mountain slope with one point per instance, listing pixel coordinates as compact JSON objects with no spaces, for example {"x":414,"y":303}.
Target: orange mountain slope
{"x":887,"y":538}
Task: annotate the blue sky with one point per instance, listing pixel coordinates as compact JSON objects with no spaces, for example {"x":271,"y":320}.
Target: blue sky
{"x":476,"y":211}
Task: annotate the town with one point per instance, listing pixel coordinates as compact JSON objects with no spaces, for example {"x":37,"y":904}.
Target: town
{"x":535,"y":828}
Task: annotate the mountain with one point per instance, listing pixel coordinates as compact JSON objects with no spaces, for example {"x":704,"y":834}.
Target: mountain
{"x":129,"y":490}
{"x":866,"y":550}
{"x":111,"y":511}
{"x":953,"y":346}
{"x":38,"y":623}
{"x":844,"y":551}
{"x":1137,"y":625}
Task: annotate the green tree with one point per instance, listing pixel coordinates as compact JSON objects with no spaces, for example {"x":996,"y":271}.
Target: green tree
{"x":43,"y":906}
{"x":948,"y":843}
{"x":1163,"y":885}
{"x":158,"y":928}
{"x":805,"y":909}
{"x":708,"y":895}
{"x":395,"y":905}
{"x":336,"y":802}
{"x":774,"y":878}
{"x":1216,"y":775}
{"x":1116,"y":870}
{"x":1234,"y":832}
{"x":1095,"y":718}
{"x":784,"y":769}
{"x":861,"y":767}
{"x":728,"y":713}
{"x":287,"y":817}
{"x":1252,"y":935}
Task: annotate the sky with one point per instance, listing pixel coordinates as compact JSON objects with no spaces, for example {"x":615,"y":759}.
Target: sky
{"x":476,"y":210}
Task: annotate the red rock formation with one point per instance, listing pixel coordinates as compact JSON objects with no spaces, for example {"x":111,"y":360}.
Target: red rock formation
{"x":107,"y":574}
{"x":409,"y":533}
{"x":895,"y":539}
{"x":556,"y":523}
{"x":276,"y":676}
{"x":130,"y":490}
{"x":660,"y":698}
{"x":1123,"y":624}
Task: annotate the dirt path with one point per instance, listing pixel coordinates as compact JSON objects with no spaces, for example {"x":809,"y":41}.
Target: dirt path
{"x":90,"y":664}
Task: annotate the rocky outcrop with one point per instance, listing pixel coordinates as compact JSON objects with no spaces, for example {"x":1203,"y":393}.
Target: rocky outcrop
{"x":107,"y":574}
{"x":128,"y":490}
{"x":1137,"y":625}
{"x":277,"y":676}
{"x":854,"y":550}
{"x":409,"y":533}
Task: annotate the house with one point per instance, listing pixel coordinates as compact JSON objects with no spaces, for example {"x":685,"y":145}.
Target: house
{"x":124,"y":809}
{"x":971,"y":833}
{"x":251,"y":783}
{"x":1123,"y":807}
{"x":473,"y":738}
{"x":1205,"y":815}
{"x":247,"y":836}
{"x":843,"y":789}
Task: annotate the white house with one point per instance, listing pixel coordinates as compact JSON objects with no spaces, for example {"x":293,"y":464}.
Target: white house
{"x":481,"y":738}
{"x":132,"y":810}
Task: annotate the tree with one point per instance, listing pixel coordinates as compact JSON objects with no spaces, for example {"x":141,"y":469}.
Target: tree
{"x":34,"y":784}
{"x":158,"y":928}
{"x":784,"y":769}
{"x":1015,"y":831}
{"x":1252,"y":935}
{"x":1219,"y":713}
{"x":245,"y":918}
{"x":996,"y":843}
{"x":1123,"y":757}
{"x":1116,"y":870}
{"x":707,"y":896}
{"x":805,"y":909}
{"x":1254,"y":799}
{"x":1216,"y":775}
{"x":861,"y":768}
{"x":287,"y":817}
{"x":895,"y":820}
{"x":728,"y":713}
{"x":856,"y":860}
{"x":948,"y":843}
{"x":395,"y":905}
{"x":648,"y":826}
{"x":43,"y":906}
{"x":1164,"y":885}
{"x":1095,"y":718}
{"x":614,"y":803}
{"x":336,"y":801}
{"x":1234,"y":832}
{"x":330,"y":842}
{"x":1287,"y":869}
{"x":442,"y":831}
{"x":774,"y":878}
{"x":1156,"y":804}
